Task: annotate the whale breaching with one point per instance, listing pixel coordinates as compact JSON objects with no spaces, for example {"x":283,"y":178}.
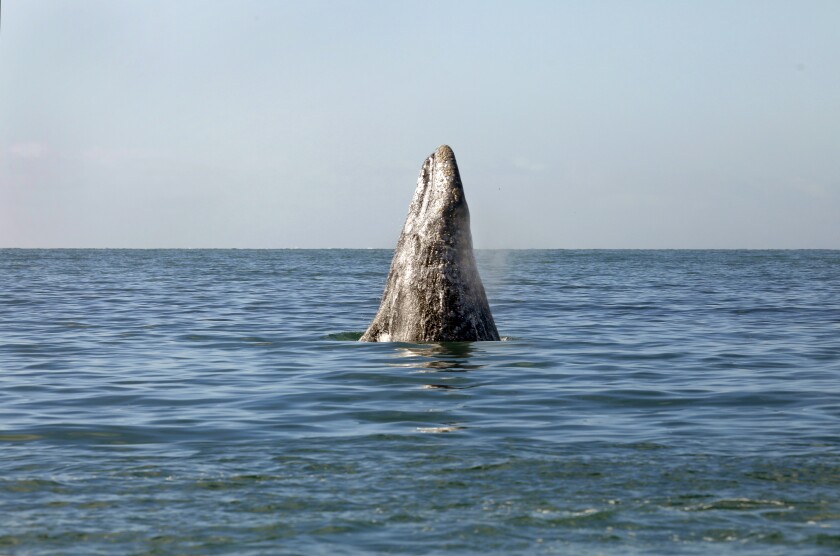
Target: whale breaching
{"x":433,"y":292}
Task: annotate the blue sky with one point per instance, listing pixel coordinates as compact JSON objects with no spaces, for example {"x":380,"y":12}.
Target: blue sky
{"x":304,"y":124}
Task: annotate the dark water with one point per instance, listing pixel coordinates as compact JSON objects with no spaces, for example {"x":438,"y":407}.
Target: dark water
{"x":214,"y":402}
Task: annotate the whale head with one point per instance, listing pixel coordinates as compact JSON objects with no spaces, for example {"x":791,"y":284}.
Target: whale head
{"x":438,"y":212}
{"x":433,"y":292}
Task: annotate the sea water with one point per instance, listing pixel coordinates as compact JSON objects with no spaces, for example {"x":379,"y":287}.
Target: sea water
{"x":217,"y":402}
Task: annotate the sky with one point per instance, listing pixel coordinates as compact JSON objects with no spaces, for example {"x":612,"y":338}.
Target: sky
{"x":275,"y":124}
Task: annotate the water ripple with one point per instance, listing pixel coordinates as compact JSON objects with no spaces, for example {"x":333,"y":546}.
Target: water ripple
{"x":644,"y":402}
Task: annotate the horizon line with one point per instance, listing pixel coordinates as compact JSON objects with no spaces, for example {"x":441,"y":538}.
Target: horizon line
{"x":392,"y":248}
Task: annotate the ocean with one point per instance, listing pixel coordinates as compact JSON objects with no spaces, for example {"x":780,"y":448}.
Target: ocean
{"x":217,"y":402}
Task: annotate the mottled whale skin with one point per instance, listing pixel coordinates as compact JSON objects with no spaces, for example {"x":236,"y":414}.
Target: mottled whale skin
{"x":433,"y":292}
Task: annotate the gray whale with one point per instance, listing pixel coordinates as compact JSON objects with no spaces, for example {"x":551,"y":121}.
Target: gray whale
{"x":433,"y":292}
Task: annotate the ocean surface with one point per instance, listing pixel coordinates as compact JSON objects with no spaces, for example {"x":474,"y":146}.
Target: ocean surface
{"x":216,"y":402}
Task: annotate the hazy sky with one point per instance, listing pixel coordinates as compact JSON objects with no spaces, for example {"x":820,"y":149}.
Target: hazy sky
{"x":625,"y":124}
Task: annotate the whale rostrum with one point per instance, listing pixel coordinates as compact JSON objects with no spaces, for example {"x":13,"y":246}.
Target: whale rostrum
{"x":433,"y":292}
